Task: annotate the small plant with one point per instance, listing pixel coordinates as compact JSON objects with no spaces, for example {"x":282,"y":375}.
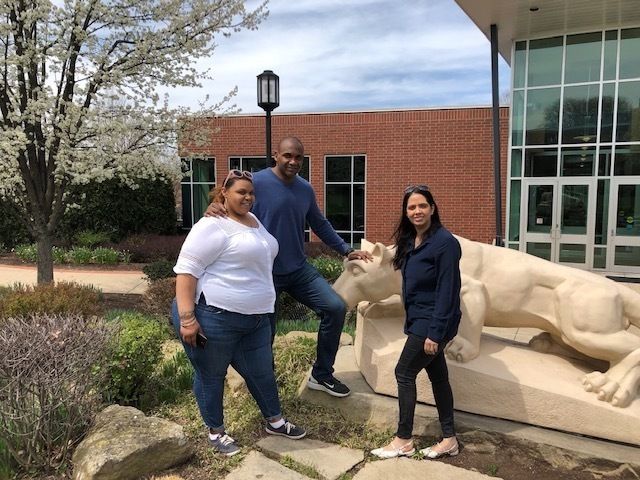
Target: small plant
{"x":61,"y":298}
{"x":159,"y":296}
{"x":124,"y":256}
{"x":171,"y":380}
{"x":47,"y":389}
{"x":27,"y":253}
{"x":104,"y":255}
{"x":134,"y":354}
{"x":159,"y":269}
{"x":59,"y":255}
{"x":90,"y":239}
{"x":329,"y":267}
{"x":80,"y":255}
{"x":492,"y":470}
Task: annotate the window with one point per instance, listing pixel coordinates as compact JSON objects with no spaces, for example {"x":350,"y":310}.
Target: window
{"x":345,"y":196}
{"x":199,"y":178}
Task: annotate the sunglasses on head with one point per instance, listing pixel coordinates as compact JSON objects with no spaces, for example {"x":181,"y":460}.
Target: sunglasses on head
{"x":416,"y":188}
{"x":233,"y":173}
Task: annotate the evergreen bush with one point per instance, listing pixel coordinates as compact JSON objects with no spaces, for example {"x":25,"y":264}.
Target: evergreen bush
{"x":133,"y":355}
{"x":159,"y":269}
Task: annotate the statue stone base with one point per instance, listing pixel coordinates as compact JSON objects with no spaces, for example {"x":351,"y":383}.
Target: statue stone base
{"x":507,"y":380}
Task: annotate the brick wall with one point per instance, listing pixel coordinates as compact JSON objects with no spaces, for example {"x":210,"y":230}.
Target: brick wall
{"x":448,"y":149}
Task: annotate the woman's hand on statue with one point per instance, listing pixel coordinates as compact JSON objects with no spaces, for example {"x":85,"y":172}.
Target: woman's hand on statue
{"x":189,"y":333}
{"x":215,"y":209}
{"x":430,"y":347}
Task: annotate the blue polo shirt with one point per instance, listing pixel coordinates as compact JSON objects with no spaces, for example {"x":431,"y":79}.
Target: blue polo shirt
{"x":431,"y":287}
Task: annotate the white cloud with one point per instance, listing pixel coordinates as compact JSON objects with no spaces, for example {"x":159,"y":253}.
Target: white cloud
{"x":357,"y":54}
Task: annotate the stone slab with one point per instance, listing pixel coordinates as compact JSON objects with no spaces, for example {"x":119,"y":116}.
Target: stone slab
{"x":410,"y":468}
{"x":329,"y":460}
{"x":257,"y":466}
{"x":507,"y":380}
{"x":364,"y":405}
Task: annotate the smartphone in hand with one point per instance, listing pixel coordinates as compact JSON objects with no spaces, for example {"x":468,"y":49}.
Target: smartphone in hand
{"x":201,"y":340}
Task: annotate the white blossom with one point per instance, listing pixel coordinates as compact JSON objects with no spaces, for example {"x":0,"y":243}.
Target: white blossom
{"x":77,"y":93}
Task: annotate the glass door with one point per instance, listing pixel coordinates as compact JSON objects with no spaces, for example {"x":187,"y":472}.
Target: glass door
{"x":575,"y":223}
{"x":624,"y":247}
{"x":539,"y":218}
{"x":558,"y":220}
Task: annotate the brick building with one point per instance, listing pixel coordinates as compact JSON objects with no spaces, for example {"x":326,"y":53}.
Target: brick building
{"x":359,"y":163}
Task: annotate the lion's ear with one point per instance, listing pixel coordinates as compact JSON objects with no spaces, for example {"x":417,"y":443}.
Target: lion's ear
{"x":366,"y":245}
{"x":388,"y":253}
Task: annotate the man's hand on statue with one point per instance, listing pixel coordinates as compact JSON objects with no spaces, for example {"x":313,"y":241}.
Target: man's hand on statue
{"x":430,"y":347}
{"x":215,"y":209}
{"x":360,"y":255}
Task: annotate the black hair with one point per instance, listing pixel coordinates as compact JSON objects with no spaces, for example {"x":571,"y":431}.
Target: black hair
{"x":406,"y":232}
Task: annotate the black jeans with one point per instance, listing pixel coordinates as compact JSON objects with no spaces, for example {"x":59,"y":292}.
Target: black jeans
{"x":412,"y":360}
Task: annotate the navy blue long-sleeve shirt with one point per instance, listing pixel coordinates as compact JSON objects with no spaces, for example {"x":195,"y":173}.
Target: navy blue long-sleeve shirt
{"x":431,"y":287}
{"x":283,"y":209}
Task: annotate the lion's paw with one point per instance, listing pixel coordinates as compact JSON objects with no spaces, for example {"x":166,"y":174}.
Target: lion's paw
{"x":461,"y":350}
{"x":593,"y":381}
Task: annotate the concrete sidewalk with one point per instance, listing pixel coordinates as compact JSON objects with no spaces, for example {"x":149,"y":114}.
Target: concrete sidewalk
{"x":108,"y":281}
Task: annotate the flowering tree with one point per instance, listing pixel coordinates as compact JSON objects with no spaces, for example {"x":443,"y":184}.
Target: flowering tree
{"x":77,"y":93}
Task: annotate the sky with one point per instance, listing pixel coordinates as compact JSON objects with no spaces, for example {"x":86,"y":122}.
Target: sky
{"x":345,"y":55}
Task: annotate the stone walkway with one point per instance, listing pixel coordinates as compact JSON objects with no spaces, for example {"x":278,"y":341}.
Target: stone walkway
{"x":108,"y":281}
{"x":330,"y":462}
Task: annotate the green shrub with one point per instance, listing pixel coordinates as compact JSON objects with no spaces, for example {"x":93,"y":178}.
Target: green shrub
{"x":104,"y":255}
{"x":113,"y":207}
{"x":134,"y":354}
{"x":13,"y":230}
{"x":90,"y":239}
{"x":59,"y":255}
{"x":80,"y":255}
{"x":158,"y":297}
{"x":329,"y":267}
{"x":159,"y":269}
{"x":26,"y":253}
{"x":61,"y":298}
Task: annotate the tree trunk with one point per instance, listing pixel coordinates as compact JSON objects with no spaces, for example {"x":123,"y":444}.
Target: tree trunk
{"x":45,"y":258}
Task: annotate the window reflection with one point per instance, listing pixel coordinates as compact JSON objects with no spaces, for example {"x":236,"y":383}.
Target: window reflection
{"x":543,"y":111}
{"x":580,"y":114}
{"x":582,"y":63}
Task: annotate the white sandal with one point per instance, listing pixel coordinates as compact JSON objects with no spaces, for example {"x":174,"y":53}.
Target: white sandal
{"x":430,"y":453}
{"x":396,"y":452}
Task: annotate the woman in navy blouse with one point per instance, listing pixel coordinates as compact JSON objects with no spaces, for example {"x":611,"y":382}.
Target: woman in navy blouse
{"x":429,"y":257}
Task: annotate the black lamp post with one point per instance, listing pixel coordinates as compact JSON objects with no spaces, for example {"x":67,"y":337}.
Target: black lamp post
{"x":268,"y":100}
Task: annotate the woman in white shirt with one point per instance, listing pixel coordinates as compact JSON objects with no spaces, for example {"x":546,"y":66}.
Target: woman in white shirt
{"x":224,"y":293}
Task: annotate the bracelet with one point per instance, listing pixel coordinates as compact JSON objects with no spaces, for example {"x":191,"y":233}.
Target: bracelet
{"x":186,"y":315}
{"x":187,"y":324}
{"x":350,"y":251}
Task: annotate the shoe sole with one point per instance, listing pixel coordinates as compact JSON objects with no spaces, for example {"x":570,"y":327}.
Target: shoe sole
{"x":322,"y":388}
{"x":440,"y":455}
{"x":292,"y":437}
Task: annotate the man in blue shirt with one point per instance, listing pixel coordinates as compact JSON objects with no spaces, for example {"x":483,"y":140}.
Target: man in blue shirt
{"x":284,"y":202}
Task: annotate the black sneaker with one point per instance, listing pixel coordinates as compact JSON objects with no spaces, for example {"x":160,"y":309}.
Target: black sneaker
{"x":332,"y":386}
{"x":288,"y":430}
{"x":225,"y":445}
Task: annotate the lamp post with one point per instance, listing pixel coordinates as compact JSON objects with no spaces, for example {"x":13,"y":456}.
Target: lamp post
{"x":268,"y":100}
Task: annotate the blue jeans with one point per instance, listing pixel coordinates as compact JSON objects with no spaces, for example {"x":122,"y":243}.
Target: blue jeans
{"x":412,"y":360}
{"x":308,"y":287}
{"x":242,"y":341}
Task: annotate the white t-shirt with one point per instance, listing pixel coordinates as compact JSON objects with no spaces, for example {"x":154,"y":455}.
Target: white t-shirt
{"x":233,"y":264}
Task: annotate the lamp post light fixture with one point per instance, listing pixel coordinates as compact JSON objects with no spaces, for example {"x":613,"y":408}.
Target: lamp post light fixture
{"x":268,"y":100}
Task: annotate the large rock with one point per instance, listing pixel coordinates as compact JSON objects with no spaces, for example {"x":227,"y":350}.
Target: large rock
{"x":124,"y":444}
